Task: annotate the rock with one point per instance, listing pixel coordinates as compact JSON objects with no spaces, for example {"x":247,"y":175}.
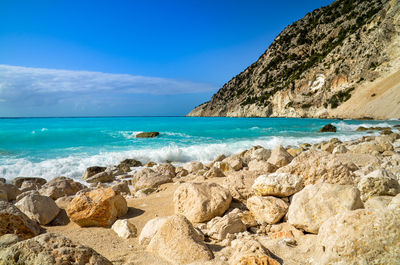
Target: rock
{"x":378,"y":183}
{"x":125,"y":165}
{"x":250,"y":252}
{"x":260,"y":154}
{"x":340,"y":149}
{"x":201,"y":202}
{"x":91,"y":171}
{"x":39,"y":208}
{"x":149,"y":178}
{"x":147,"y":135}
{"x":267,"y":209}
{"x":20,"y":180}
{"x":294,"y":151}
{"x":181,"y":172}
{"x":59,"y":187}
{"x":166,"y":169}
{"x":26,"y":193}
{"x":328,"y":128}
{"x":2,"y":180}
{"x":328,"y":147}
{"x":13,"y":221}
{"x":234,"y":162}
{"x":150,"y":229}
{"x":28,"y":186}
{"x":11,"y":190}
{"x":239,"y":186}
{"x":150,"y":164}
{"x":214,"y":172}
{"x":99,"y":207}
{"x":144,"y":192}
{"x":360,"y":237}
{"x":9,"y":240}
{"x":51,"y":249}
{"x":277,"y":184}
{"x":280,"y":157}
{"x":121,"y":188}
{"x":224,"y":167}
{"x":248,"y":219}
{"x":219,"y":227}
{"x":314,"y":204}
{"x":3,"y":196}
{"x":378,"y":202}
{"x":219,"y":158}
{"x":63,"y":202}
{"x":101,"y":177}
{"x":193,"y":167}
{"x":124,"y":229}
{"x":178,"y":242}
{"x":371,"y":147}
{"x":61,"y":219}
{"x":262,"y":166}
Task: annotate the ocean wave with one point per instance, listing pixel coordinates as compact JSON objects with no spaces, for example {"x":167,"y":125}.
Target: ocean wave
{"x":342,"y":126}
{"x":183,"y":135}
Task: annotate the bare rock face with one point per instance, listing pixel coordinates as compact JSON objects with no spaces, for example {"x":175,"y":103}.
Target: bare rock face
{"x":122,"y":188}
{"x":314,"y":166}
{"x":150,"y":229}
{"x":11,"y":190}
{"x":91,"y":171}
{"x":219,"y":227}
{"x":13,"y":221}
{"x":124,"y":229}
{"x":312,"y":206}
{"x":280,"y":157}
{"x":51,"y":249}
{"x":267,"y":209}
{"x":378,"y":183}
{"x":40,"y":208}
{"x":360,"y":237}
{"x":201,"y":202}
{"x":150,"y":178}
{"x":100,"y":207}
{"x":239,"y":186}
{"x":178,"y":242}
{"x":277,"y":184}
{"x":59,"y":187}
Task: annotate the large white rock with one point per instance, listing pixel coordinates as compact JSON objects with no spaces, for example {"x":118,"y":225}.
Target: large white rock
{"x":313,"y":205}
{"x":150,"y":229}
{"x":378,"y":183}
{"x":193,"y":167}
{"x":267,"y":209}
{"x":280,"y":157}
{"x":124,"y":228}
{"x":200,"y":202}
{"x":239,"y":186}
{"x":277,"y":184}
{"x":39,"y":208}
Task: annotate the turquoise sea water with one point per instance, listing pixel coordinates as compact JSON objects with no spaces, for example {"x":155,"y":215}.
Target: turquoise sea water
{"x":49,"y":147}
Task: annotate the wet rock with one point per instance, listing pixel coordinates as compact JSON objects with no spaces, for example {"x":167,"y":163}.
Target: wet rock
{"x":147,"y":135}
{"x":40,"y":208}
{"x":124,"y":229}
{"x":277,"y":184}
{"x":267,"y":209}
{"x":328,"y":128}
{"x":125,"y":165}
{"x":59,"y":187}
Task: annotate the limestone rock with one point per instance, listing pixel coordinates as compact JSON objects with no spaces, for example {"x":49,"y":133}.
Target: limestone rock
{"x":150,"y":164}
{"x":63,"y":202}
{"x":124,"y":229}
{"x":59,"y":187}
{"x":178,"y":242}
{"x":250,"y":252}
{"x":26,"y":193}
{"x":3,"y":196}
{"x":239,"y":186}
{"x":51,"y":249}
{"x":181,"y":172}
{"x":101,"y":177}
{"x":262,"y":166}
{"x":219,"y":227}
{"x":378,"y":202}
{"x":13,"y":221}
{"x":224,"y":167}
{"x":150,"y":229}
{"x":260,"y":154}
{"x":314,"y":204}
{"x":149,"y":178}
{"x":340,"y":149}
{"x":201,"y":202}
{"x":8,"y":240}
{"x":20,"y":180}
{"x":91,"y":171}
{"x":360,"y":237}
{"x":28,"y":186}
{"x":11,"y":190}
{"x":277,"y":184}
{"x":280,"y":157}
{"x":378,"y":183}
{"x":234,"y":162}
{"x":125,"y":165}
{"x":121,"y":188}
{"x":267,"y":209}
{"x":193,"y":167}
{"x":327,"y":128}
{"x":40,"y":208}
{"x":214,"y":172}
{"x":99,"y":207}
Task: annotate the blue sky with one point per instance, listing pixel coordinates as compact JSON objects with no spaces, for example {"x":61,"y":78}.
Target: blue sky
{"x":96,"y":58}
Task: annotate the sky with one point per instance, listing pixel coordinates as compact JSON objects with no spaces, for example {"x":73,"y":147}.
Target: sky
{"x":130,"y":58}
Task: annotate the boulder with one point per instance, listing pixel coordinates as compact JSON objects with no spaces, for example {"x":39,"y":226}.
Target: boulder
{"x":181,"y":172}
{"x":277,"y":184}
{"x":91,"y":171}
{"x":248,"y":251}
{"x":149,"y":178}
{"x":61,"y":219}
{"x":267,"y":209}
{"x":121,"y":188}
{"x":28,"y":186}
{"x":13,"y":221}
{"x":60,"y":187}
{"x":63,"y":202}
{"x":327,"y":128}
{"x":124,"y":228}
{"x":378,"y":183}
{"x":294,"y":151}
{"x":201,"y":202}
{"x":314,"y":204}
{"x":3,"y":196}
{"x":26,"y":193}
{"x":378,"y":202}
{"x":40,"y":208}
{"x":360,"y":237}
{"x":8,"y":240}
{"x":214,"y":172}
{"x":150,"y":229}
{"x":19,"y":180}
{"x":2,"y":180}
{"x":224,"y":167}
{"x":100,"y":207}
{"x":51,"y":249}
{"x":219,"y":227}
{"x":280,"y":157}
{"x":147,"y":135}
{"x":102,"y":177}
{"x":125,"y":165}
{"x":261,"y":166}
{"x":150,"y":164}
{"x":234,"y":162}
{"x":340,"y":149}
{"x":260,"y":154}
{"x":166,"y":169}
{"x":11,"y":190}
{"x":178,"y":242}
{"x":239,"y":186}
{"x":193,"y":167}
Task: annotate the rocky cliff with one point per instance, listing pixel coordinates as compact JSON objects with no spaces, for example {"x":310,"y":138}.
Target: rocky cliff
{"x":334,"y":62}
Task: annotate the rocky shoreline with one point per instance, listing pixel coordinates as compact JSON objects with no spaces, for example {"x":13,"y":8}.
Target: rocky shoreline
{"x":328,"y":203}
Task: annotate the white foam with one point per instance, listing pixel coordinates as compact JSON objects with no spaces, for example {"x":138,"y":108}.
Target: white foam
{"x":342,"y":126}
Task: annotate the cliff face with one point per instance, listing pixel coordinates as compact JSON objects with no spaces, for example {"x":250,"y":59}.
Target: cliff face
{"x":318,"y":64}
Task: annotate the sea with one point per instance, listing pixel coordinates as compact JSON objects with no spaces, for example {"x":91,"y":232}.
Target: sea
{"x":50,"y":147}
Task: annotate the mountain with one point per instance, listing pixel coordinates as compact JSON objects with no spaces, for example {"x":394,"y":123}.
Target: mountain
{"x":341,"y":60}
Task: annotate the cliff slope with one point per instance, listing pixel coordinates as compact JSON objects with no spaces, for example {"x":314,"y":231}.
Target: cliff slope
{"x":342,"y":60}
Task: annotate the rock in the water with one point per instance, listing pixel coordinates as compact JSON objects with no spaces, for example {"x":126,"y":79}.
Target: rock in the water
{"x":219,"y":227}
{"x":13,"y":221}
{"x":150,"y":229}
{"x":360,"y":237}
{"x":40,"y":208}
{"x":125,"y":166}
{"x":267,"y":209}
{"x":178,"y":242}
{"x":124,"y":229}
{"x":60,"y":187}
{"x":147,"y":135}
{"x":201,"y":202}
{"x":91,"y":171}
{"x":11,"y":190}
{"x":239,"y":186}
{"x":280,"y":157}
{"x":314,"y":204}
{"x":378,"y":183}
{"x":328,"y":128}
{"x":149,"y":178}
{"x":51,"y":249}
{"x":102,"y":177}
{"x":19,"y":180}
{"x":99,"y":207}
{"x":277,"y":184}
